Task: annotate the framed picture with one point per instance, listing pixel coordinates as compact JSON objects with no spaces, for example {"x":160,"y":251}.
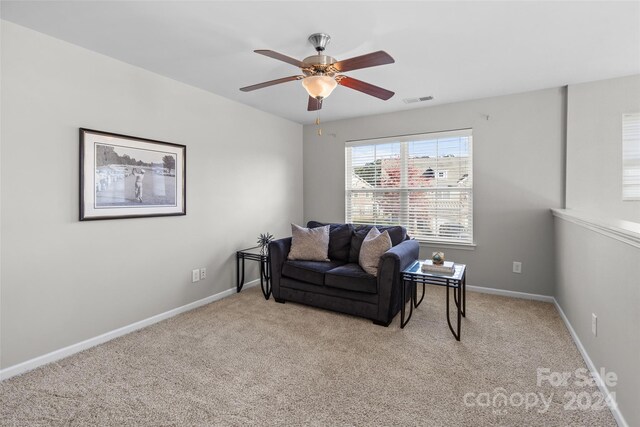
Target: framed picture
{"x":127,"y":177}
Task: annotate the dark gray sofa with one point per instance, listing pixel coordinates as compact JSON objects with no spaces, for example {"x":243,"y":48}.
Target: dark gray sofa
{"x":340,"y":284}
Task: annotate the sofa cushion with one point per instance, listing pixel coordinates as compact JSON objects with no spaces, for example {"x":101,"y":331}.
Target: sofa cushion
{"x":309,"y":271}
{"x":310,"y":244}
{"x":397,"y":234}
{"x":351,"y":277}
{"x":344,"y":300}
{"x":339,"y":239}
{"x":373,"y":247}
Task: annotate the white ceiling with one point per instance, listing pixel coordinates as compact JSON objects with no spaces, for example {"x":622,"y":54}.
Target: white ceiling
{"x":451,"y":50}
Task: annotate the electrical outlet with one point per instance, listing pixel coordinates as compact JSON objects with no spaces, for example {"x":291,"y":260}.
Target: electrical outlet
{"x":203,"y":273}
{"x":594,"y":324}
{"x":517,"y":267}
{"x":195,"y":275}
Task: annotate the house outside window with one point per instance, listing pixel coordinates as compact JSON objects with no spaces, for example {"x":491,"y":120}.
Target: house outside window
{"x":423,"y":182}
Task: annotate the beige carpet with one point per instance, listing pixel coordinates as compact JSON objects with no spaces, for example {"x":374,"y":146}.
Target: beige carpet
{"x":244,"y":360}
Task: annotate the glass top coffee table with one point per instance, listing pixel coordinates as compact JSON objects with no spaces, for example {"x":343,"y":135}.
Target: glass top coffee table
{"x":413,"y":275}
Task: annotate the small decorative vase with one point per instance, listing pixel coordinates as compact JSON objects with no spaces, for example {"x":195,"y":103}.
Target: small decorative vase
{"x":437,"y":258}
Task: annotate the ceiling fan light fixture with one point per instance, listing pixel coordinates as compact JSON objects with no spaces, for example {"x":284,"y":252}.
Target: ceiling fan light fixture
{"x":319,"y":87}
{"x":320,"y":74}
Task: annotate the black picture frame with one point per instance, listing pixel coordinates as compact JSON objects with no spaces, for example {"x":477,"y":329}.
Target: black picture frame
{"x":123,"y":176}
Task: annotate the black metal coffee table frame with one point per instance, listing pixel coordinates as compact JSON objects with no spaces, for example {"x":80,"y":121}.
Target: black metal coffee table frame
{"x":254,"y":254}
{"x":413,"y":275}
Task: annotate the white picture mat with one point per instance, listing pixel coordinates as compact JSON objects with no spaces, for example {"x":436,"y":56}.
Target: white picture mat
{"x":90,"y":141}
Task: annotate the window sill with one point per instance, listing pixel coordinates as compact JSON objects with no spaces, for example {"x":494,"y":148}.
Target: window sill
{"x":458,"y":246}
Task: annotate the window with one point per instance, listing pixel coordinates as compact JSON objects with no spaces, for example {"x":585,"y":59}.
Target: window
{"x":423,"y":182}
{"x":631,"y":156}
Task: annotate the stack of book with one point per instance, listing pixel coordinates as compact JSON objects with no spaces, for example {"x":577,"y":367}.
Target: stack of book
{"x":445,"y":268}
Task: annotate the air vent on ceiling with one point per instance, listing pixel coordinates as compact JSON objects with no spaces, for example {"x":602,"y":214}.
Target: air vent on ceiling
{"x":420,"y":99}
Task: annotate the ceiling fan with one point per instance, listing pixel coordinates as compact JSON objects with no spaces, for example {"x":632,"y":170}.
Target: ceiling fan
{"x":322,"y":73}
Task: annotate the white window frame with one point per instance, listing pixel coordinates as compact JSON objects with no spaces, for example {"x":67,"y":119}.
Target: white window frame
{"x":404,"y":190}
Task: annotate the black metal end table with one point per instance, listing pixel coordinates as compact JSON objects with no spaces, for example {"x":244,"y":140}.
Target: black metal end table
{"x":254,"y":254}
{"x":413,"y":275}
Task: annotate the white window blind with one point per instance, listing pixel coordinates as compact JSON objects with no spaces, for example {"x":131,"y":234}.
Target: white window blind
{"x":423,"y":182}
{"x":631,"y":156}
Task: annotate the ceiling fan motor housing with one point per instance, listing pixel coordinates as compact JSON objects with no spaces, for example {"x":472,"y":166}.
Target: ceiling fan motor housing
{"x":318,"y":65}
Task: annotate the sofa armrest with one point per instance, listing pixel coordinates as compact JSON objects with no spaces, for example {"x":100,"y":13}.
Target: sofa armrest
{"x":406,"y":252}
{"x":390,"y":268}
{"x":278,"y":252}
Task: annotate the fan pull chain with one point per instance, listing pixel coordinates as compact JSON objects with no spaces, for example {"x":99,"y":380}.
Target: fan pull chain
{"x":318,"y":118}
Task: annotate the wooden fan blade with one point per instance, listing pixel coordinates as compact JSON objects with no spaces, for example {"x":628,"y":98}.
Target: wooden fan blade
{"x":369,"y":60}
{"x":314,"y":104}
{"x":270,"y":83}
{"x":364,"y":87}
{"x":281,"y":57}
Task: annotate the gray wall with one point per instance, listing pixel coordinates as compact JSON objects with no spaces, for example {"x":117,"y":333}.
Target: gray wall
{"x":518,"y":175}
{"x":597,"y":274}
{"x":610,"y":290}
{"x":594,"y":147}
{"x":64,"y":281}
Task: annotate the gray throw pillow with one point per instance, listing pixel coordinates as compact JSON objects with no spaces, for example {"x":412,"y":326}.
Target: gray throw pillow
{"x":309,"y":244}
{"x":396,"y":232}
{"x":373,"y":247}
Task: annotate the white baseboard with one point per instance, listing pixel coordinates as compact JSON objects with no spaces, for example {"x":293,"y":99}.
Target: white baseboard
{"x":512,"y":294}
{"x":36,"y":362}
{"x":592,"y":368}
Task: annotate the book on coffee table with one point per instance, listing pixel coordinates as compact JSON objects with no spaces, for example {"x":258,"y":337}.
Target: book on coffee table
{"x":447,"y":267}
